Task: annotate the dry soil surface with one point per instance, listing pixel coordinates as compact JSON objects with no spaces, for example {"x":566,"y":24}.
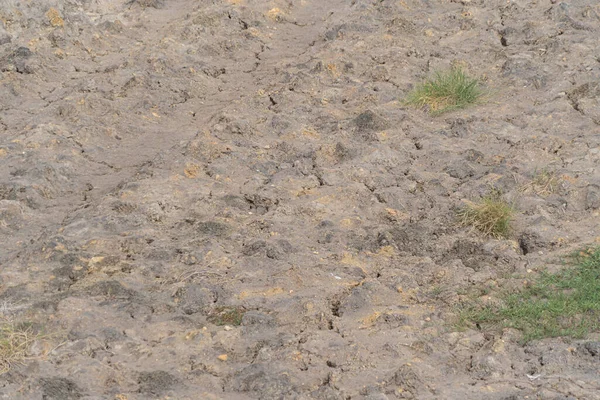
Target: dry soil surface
{"x":227,"y":199}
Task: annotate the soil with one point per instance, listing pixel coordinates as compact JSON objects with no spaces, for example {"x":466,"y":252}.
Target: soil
{"x":228,"y":199}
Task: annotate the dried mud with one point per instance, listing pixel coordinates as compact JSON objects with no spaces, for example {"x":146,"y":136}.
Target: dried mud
{"x":227,"y":199}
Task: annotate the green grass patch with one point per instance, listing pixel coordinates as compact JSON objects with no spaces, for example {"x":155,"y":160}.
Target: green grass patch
{"x":492,"y":216}
{"x":566,"y":303}
{"x":227,"y":316}
{"x":446,"y":91}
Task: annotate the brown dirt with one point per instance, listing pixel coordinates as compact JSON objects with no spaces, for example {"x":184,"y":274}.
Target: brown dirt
{"x":227,"y":199}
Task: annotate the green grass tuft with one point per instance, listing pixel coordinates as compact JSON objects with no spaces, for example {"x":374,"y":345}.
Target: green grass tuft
{"x":446,"y":91}
{"x":492,"y":216}
{"x":554,"y":305}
